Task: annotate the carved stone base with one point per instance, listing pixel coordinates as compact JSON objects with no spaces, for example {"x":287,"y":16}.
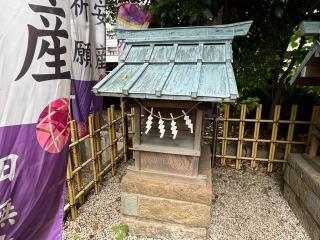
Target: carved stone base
{"x":165,"y":205}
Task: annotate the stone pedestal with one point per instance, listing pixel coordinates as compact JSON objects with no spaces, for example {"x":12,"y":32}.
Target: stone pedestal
{"x":164,"y":205}
{"x":302,"y":191}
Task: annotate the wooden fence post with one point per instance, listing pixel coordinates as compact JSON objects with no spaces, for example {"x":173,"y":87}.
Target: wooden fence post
{"x":293,"y":116}
{"x":76,"y":158}
{"x":256,"y":137}
{"x":225,"y":134}
{"x":93,"y":153}
{"x":240,"y":137}
{"x":274,"y":135}
{"x":214,"y":141}
{"x":133,"y":128}
{"x":124,"y":132}
{"x":70,"y":185}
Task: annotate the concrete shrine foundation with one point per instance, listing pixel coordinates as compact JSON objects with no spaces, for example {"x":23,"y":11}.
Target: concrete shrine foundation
{"x":162,"y":205}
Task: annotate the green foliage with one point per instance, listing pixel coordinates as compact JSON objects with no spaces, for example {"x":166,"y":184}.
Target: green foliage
{"x":168,"y":13}
{"x":251,"y":102}
{"x":260,"y":59}
{"x":121,"y":230}
{"x":76,"y":238}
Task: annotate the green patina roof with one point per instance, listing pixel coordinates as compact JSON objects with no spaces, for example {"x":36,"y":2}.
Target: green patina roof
{"x":303,"y":75}
{"x":192,"y":63}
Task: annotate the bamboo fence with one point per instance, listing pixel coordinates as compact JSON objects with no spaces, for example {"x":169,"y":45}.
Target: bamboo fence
{"x":98,"y":166}
{"x":256,"y":140}
{"x":121,"y":130}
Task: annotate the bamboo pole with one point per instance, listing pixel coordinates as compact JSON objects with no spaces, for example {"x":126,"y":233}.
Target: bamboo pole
{"x":124,"y":132}
{"x":93,"y":153}
{"x":225,"y":134}
{"x":110,"y":141}
{"x":274,"y":137}
{"x":98,"y":144}
{"x":256,"y":137}
{"x":76,"y":157}
{"x":73,"y":208}
{"x":240,"y":137}
{"x":293,"y":116}
{"x":114,"y":137}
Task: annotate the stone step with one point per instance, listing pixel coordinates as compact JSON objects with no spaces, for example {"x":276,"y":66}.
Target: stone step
{"x":167,"y":210}
{"x":159,"y":229}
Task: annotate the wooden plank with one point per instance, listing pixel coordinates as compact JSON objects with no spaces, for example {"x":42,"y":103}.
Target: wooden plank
{"x":240,"y":136}
{"x":195,"y":164}
{"x":170,"y":104}
{"x":274,"y":137}
{"x":124,"y":131}
{"x":114,"y":136}
{"x":137,"y":135}
{"x":132,"y":130}
{"x":225,"y":134}
{"x":166,"y":149}
{"x":256,"y":137}
{"x":166,"y":163}
{"x":293,"y":116}
{"x":214,"y":142}
{"x":198,"y":130}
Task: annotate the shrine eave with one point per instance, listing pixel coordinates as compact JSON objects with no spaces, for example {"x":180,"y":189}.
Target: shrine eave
{"x":193,"y":63}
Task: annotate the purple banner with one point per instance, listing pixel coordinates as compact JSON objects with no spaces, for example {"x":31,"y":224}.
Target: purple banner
{"x":84,"y":103}
{"x":34,"y":108}
{"x":89,"y":57}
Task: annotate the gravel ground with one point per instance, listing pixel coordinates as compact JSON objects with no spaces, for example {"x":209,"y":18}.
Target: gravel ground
{"x":247,"y":205}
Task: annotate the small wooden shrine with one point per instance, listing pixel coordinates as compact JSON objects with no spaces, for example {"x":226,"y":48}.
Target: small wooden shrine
{"x":172,"y":76}
{"x":302,"y":173}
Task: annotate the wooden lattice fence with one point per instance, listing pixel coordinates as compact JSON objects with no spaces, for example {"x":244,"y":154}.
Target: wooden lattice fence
{"x":258,"y":137}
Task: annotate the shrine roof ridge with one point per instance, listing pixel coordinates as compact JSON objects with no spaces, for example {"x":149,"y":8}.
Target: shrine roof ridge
{"x":196,"y":33}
